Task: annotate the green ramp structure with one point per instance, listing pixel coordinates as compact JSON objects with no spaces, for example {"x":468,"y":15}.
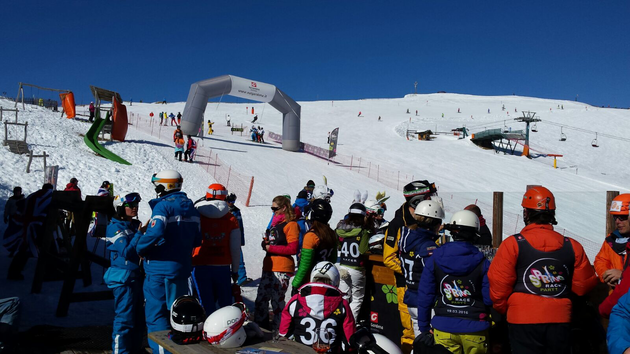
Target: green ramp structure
{"x":91,"y":140}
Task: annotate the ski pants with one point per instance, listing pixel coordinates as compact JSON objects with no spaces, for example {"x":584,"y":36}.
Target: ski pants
{"x":465,"y":343}
{"x":213,"y":285}
{"x":406,"y":342}
{"x":272,"y":287}
{"x":352,"y":284}
{"x":9,"y":318}
{"x":128,"y":329}
{"x":242,"y":272}
{"x":413,"y":315}
{"x":160,"y":292}
{"x":540,"y":338}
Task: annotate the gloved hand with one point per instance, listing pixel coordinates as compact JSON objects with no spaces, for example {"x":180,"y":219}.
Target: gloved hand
{"x":236,"y":293}
{"x":263,"y":244}
{"x":426,"y":338}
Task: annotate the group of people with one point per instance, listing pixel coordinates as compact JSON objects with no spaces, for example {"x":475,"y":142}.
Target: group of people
{"x":164,"y":117}
{"x":257,"y":134}
{"x":187,"y":148}
{"x":449,"y":295}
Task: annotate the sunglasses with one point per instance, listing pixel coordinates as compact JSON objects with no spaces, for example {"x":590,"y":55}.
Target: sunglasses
{"x":620,"y":217}
{"x":275,"y":208}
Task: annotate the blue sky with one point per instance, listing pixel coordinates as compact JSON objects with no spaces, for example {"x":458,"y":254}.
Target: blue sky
{"x":322,"y":50}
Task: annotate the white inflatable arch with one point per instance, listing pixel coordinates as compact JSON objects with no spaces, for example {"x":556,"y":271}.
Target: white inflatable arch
{"x":202,"y":91}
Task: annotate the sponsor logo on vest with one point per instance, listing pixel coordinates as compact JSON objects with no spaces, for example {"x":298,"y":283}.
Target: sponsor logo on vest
{"x":546,"y":278}
{"x":457,"y":294}
{"x":374,"y":317}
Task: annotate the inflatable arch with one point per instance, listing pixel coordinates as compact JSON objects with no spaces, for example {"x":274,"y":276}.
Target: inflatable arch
{"x":202,"y":91}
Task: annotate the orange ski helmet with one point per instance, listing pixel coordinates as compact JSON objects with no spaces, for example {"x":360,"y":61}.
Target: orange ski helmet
{"x":620,"y":205}
{"x":539,"y":198}
{"x":216,"y":191}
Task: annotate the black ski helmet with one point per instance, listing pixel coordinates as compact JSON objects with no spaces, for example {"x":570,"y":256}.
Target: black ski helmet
{"x":357,"y":209}
{"x":321,"y":211}
{"x":187,"y":319}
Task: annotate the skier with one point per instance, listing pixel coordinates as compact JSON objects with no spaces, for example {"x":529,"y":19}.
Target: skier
{"x":217,"y":259}
{"x":242,"y":271}
{"x":254,"y":133}
{"x":416,"y":245}
{"x":612,"y":256}
{"x":161,"y":117}
{"x":538,"y":307}
{"x":124,"y":276}
{"x":359,"y":114}
{"x":91,"y":109}
{"x":457,"y":276}
{"x":210,"y":123}
{"x":177,"y":134}
{"x":255,"y":118}
{"x":191,"y":149}
{"x":261,"y":135}
{"x":353,"y":237}
{"x":166,"y":247}
{"x":319,"y":309}
{"x":179,"y":148}
{"x":179,"y":118}
{"x":320,"y":243}
{"x":280,"y":243}
{"x":173,"y":121}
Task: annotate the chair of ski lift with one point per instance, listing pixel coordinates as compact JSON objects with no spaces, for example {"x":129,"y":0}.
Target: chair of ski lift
{"x":563,"y":136}
{"x":594,"y":142}
{"x":534,"y":128}
{"x":505,"y":128}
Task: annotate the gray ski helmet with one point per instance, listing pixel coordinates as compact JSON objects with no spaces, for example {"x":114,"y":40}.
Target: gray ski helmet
{"x":321,"y":211}
{"x":419,"y":190}
{"x":357,"y":208}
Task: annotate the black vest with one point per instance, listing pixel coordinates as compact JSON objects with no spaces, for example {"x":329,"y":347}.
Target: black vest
{"x":305,"y":327}
{"x":461,"y":296}
{"x":350,"y":254}
{"x":276,"y":235}
{"x":541,"y":273}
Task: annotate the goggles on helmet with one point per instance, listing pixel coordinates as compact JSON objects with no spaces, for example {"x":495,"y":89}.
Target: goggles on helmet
{"x":131,"y":199}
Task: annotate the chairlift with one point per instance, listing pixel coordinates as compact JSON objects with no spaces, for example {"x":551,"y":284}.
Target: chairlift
{"x":594,"y":142}
{"x":505,"y":128}
{"x":563,"y":136}
{"x":534,"y":128}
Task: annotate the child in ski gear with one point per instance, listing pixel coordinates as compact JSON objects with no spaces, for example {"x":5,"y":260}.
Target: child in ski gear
{"x":166,"y":247}
{"x":320,"y":243}
{"x":539,"y":305}
{"x":414,"y":192}
{"x":216,"y":261}
{"x":319,"y":304}
{"x":416,"y":245}
{"x":353,"y":245}
{"x":457,"y":276}
{"x":308,"y":188}
{"x":280,"y":243}
{"x":124,"y":276}
{"x":242,"y":272}
{"x":191,"y":149}
{"x":303,"y":205}
{"x":179,"y":148}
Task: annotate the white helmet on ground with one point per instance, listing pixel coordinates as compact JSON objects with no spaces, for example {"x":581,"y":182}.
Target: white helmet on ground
{"x":224,"y":327}
{"x":326,"y":270}
{"x":430,"y":208}
{"x":167,"y":181}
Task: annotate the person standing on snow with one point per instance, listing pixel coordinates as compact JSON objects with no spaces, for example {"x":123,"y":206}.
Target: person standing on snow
{"x":242,"y":272}
{"x":457,"y":276}
{"x":354,"y":236}
{"x":538,"y":307}
{"x":124,"y":276}
{"x":91,"y":109}
{"x":101,"y":220}
{"x":485,"y":236}
{"x":10,"y":207}
{"x":217,"y":259}
{"x":179,"y":148}
{"x":191,"y":149}
{"x":179,"y":118}
{"x":414,"y":192}
{"x":173,"y":121}
{"x":178,"y":133}
{"x":416,"y":245}
{"x":166,"y":247}
{"x":612,"y":257}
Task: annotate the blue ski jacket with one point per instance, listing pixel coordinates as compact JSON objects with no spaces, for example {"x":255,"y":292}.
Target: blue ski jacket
{"x":456,"y":258}
{"x":619,"y":326}
{"x":171,"y":235}
{"x":415,"y":245}
{"x":121,"y":238}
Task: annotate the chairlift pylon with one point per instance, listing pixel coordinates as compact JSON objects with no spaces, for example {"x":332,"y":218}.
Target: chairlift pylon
{"x":563,"y":136}
{"x":594,"y":142}
{"x":534,"y":128}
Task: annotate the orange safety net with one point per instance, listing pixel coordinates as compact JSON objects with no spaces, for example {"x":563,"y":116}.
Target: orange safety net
{"x":67,"y":102}
{"x":119,"y":128}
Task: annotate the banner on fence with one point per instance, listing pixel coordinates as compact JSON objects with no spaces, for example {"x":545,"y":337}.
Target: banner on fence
{"x":333,"y":143}
{"x":50,"y":175}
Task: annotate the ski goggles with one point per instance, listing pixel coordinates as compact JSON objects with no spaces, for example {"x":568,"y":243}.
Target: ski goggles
{"x":131,"y":200}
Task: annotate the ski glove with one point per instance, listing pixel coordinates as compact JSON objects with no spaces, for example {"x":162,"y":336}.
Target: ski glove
{"x":426,"y":338}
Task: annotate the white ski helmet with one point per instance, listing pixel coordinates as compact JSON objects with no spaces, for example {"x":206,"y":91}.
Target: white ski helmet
{"x":430,"y":208}
{"x":322,"y":192}
{"x":224,"y":327}
{"x":167,"y":181}
{"x":326,"y":270}
{"x":465,"y":220}
{"x":372,"y":206}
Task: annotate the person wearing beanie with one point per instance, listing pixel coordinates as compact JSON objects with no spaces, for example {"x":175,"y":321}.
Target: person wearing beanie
{"x":308,"y":188}
{"x":414,"y":192}
{"x":485,"y":236}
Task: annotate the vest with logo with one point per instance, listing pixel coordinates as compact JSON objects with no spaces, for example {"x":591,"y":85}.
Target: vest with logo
{"x":547,"y":274}
{"x":460,"y":296}
{"x":276,"y":236}
{"x":306,"y":327}
{"x":215,"y":241}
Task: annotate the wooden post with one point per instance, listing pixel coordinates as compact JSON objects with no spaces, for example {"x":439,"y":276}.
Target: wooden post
{"x":249,"y":194}
{"x":25,"y":130}
{"x":30,"y":159}
{"x":497,"y":219}
{"x":227,"y":183}
{"x":610,"y":222}
{"x":6,"y":133}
